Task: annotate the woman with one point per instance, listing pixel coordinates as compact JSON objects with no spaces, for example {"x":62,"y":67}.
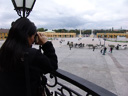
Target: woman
{"x":17,"y":52}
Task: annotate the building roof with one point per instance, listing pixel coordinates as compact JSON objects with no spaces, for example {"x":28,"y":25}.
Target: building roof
{"x":50,"y":31}
{"x":4,"y":30}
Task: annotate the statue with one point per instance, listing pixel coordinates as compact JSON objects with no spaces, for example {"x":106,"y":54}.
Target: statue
{"x":92,"y":35}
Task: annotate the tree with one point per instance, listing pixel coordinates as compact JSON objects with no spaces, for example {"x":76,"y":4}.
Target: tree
{"x":40,"y":29}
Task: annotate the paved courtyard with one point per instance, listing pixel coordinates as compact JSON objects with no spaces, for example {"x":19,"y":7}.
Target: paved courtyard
{"x":109,"y":71}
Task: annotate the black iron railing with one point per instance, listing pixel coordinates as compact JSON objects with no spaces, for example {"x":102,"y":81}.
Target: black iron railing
{"x":61,"y":83}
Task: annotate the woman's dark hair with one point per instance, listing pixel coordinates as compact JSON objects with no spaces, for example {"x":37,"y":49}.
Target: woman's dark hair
{"x":16,"y":43}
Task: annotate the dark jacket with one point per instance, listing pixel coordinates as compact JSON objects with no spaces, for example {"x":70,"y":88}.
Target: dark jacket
{"x":14,"y":83}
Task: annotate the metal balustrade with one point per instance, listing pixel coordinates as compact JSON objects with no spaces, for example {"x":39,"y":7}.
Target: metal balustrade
{"x":59,"y":88}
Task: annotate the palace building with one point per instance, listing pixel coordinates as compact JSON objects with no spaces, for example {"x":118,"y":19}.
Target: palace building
{"x":112,"y":35}
{"x":53,"y":34}
{"x":49,"y":33}
{"x":3,"y":34}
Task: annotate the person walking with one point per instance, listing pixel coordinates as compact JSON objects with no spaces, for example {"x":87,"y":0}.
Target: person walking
{"x":117,"y":47}
{"x":70,"y":45}
{"x":111,"y":49}
{"x":93,"y":47}
{"x":21,"y":66}
{"x":104,"y":51}
{"x":101,"y":50}
{"x":60,"y":43}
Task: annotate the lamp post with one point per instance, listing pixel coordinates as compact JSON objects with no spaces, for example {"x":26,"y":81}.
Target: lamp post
{"x":23,"y":7}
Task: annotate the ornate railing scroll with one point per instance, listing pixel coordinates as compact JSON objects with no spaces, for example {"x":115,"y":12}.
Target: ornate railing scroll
{"x":59,"y":88}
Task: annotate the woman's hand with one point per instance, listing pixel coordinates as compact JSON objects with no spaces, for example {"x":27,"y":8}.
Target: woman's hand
{"x":42,"y":38}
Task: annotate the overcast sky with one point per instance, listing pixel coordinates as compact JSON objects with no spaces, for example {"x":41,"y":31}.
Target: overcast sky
{"x":71,"y":14}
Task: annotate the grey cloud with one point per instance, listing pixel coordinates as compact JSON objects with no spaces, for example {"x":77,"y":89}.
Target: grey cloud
{"x":117,"y":24}
{"x":50,"y":14}
{"x":63,"y":22}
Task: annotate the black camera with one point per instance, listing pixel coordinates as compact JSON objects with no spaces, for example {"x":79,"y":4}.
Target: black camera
{"x":36,"y":39}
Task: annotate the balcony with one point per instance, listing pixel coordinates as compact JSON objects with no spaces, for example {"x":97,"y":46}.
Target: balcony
{"x":62,"y":83}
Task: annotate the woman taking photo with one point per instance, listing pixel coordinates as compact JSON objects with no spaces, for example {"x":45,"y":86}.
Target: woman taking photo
{"x":16,"y":53}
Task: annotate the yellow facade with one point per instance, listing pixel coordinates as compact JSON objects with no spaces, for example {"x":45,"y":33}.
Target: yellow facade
{"x":111,"y":35}
{"x":59,"y":35}
{"x":3,"y":36}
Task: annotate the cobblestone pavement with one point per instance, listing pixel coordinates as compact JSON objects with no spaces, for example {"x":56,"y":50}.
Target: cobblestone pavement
{"x":109,"y":71}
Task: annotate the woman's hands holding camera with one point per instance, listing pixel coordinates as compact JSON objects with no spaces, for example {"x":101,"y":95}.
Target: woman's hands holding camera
{"x":42,"y":38}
